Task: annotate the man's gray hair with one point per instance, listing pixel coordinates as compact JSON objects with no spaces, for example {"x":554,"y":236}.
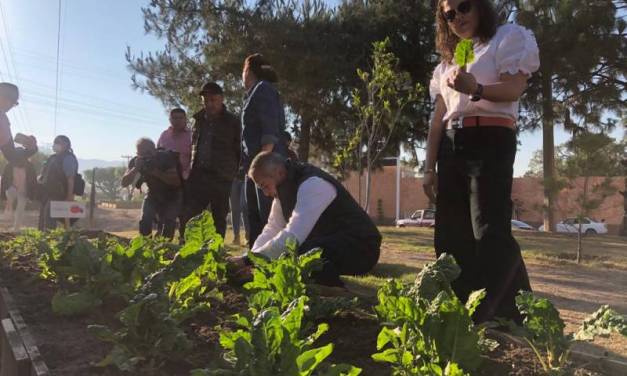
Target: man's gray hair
{"x":266,"y":162}
{"x":144,"y":141}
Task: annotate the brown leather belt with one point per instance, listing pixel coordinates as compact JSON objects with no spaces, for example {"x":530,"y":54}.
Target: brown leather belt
{"x":480,"y":121}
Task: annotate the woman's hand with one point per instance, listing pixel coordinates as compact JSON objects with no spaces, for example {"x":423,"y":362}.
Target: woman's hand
{"x":462,"y":81}
{"x":430,"y":185}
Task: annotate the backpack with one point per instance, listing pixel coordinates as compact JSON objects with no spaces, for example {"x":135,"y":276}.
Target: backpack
{"x":79,"y":185}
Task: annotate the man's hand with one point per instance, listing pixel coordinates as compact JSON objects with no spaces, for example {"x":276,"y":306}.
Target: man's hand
{"x":462,"y":81}
{"x":238,"y":271}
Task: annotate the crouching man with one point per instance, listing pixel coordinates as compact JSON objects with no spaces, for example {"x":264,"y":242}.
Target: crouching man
{"x":160,"y":170}
{"x":313,"y":208}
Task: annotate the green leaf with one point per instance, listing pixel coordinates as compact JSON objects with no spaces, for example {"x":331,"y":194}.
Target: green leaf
{"x":386,"y":356}
{"x":77,"y":303}
{"x":342,"y":370}
{"x":474,"y":300}
{"x":464,"y":53}
{"x":309,"y":360}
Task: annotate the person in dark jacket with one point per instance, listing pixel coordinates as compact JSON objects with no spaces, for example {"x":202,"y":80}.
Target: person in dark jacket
{"x":57,"y":181}
{"x":216,"y":149}
{"x":161,"y":171}
{"x":263,"y":121}
{"x":315,"y":210}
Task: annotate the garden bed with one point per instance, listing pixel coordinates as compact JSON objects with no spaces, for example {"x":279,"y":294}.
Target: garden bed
{"x":69,"y":349}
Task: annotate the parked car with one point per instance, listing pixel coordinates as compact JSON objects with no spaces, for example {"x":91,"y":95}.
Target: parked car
{"x":588,"y":226}
{"x":521,"y":226}
{"x":420,"y":218}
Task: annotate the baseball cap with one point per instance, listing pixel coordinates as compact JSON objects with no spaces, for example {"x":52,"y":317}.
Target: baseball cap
{"x":211,"y":88}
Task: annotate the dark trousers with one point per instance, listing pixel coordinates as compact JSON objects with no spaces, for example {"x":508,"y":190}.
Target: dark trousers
{"x":238,"y":207}
{"x":258,"y":207}
{"x":473,"y":217}
{"x":203,"y":191}
{"x":343,"y":254}
{"x":164,"y":211}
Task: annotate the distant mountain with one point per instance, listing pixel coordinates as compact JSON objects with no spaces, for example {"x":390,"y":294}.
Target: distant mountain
{"x":88,"y":164}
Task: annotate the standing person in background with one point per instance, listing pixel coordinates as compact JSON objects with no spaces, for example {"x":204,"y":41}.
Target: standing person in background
{"x":239,"y":215}
{"x":473,"y":139}
{"x":9,"y":96}
{"x":263,"y":121}
{"x":57,"y":180}
{"x":160,"y":170}
{"x":178,"y":138}
{"x":19,"y":182}
{"x":287,"y":138}
{"x":216,"y":148}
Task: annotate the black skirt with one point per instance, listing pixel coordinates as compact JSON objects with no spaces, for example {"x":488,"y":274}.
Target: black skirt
{"x":473,"y":217}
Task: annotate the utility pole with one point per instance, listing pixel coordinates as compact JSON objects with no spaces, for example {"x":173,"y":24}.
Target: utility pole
{"x":129,"y":189}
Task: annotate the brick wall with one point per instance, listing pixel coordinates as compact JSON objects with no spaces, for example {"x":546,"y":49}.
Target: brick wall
{"x":527,"y":194}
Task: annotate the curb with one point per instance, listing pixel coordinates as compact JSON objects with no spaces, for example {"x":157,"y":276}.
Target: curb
{"x":19,"y":355}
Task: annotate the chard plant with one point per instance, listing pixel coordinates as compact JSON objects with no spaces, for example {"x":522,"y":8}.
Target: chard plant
{"x":426,"y":329}
{"x":544,"y":330}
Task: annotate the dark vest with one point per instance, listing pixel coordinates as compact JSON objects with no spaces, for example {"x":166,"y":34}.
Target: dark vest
{"x":343,"y":215}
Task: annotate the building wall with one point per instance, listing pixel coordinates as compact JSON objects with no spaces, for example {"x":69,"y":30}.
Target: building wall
{"x":527,"y":195}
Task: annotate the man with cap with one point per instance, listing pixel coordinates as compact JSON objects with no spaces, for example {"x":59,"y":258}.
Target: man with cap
{"x":216,"y":149}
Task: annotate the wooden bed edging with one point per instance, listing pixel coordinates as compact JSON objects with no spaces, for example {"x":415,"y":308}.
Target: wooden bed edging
{"x":19,"y":355}
{"x":615,"y":366}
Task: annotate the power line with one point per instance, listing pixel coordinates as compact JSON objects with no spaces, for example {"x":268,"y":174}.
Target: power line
{"x":56,"y":95}
{"x":20,"y":110}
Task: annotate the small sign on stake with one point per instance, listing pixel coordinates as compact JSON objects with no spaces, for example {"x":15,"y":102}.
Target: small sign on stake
{"x":67,"y":209}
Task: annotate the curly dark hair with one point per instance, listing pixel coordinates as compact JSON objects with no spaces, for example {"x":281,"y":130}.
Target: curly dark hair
{"x":446,"y":40}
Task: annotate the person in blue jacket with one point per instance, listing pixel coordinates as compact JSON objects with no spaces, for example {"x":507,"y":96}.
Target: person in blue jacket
{"x":263,"y":124}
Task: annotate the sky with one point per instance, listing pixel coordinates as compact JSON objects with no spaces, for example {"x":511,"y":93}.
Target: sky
{"x":97,"y":107}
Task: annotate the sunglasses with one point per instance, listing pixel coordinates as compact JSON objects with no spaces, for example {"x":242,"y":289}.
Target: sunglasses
{"x":463,"y":8}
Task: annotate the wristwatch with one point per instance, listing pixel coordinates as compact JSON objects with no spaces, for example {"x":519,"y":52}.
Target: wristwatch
{"x":476,"y":96}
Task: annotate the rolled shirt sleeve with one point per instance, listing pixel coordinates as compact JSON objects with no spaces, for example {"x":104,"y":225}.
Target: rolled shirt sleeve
{"x":313,"y":197}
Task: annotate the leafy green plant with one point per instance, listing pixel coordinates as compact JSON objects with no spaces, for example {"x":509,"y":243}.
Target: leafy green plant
{"x":544,"y":330}
{"x":603,"y":322}
{"x":148,"y":337}
{"x":272,"y":344}
{"x":427,"y":334}
{"x":464,"y":53}
{"x":151,"y":331}
{"x":280,"y":282}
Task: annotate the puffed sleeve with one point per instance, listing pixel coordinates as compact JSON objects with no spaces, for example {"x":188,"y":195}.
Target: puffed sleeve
{"x":434,"y":84}
{"x":517,"y":51}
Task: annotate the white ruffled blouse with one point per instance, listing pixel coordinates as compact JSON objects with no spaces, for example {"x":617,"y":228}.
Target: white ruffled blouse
{"x":513,"y":49}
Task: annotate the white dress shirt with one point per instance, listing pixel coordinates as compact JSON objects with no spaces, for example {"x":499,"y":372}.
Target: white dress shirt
{"x":312,"y":199}
{"x":513,"y":49}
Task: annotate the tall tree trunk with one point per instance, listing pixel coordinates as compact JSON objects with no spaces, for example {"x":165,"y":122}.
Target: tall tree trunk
{"x":582,"y":213}
{"x":548,"y":148}
{"x":368,"y":184}
{"x":305,"y":138}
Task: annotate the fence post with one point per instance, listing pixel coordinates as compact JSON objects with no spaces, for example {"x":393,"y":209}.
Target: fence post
{"x":92,"y":199}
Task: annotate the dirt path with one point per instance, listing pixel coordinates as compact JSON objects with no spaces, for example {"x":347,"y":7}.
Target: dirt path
{"x":576,"y":290}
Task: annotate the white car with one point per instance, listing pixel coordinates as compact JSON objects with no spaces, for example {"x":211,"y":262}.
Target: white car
{"x":420,"y":218}
{"x":588,"y":226}
{"x":522,"y":226}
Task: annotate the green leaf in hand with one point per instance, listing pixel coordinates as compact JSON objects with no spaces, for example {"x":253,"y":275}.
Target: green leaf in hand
{"x":464,"y":53}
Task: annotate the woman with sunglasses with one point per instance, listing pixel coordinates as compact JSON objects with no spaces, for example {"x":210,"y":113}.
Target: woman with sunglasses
{"x":473,"y":140}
